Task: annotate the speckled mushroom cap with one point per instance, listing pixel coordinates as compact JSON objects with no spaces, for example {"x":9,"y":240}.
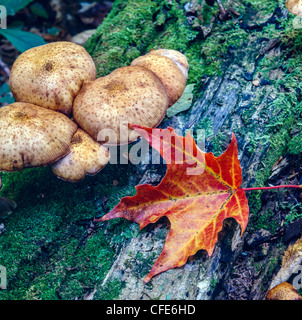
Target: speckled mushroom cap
{"x":127,"y":95}
{"x":31,"y":136}
{"x":51,"y":75}
{"x":168,"y":72}
{"x":86,"y":157}
{"x":179,"y":58}
{"x":294,"y":6}
{"x":283,"y":291}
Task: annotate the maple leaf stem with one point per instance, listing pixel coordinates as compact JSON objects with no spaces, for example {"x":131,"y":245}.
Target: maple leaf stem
{"x":274,"y":187}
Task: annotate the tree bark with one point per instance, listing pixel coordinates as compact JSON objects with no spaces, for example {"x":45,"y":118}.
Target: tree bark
{"x":244,"y":98}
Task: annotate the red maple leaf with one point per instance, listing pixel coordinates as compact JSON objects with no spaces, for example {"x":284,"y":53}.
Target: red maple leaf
{"x":197,"y":193}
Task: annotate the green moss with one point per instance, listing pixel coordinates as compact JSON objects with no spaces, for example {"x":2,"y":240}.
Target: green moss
{"x":265,"y":221}
{"x":143,"y":264}
{"x":294,"y":212}
{"x":139,"y":264}
{"x":278,"y":146}
{"x":110,"y":290}
{"x":42,"y":247}
{"x":123,"y":37}
{"x":266,"y":8}
{"x":281,"y":115}
{"x":295,"y":144}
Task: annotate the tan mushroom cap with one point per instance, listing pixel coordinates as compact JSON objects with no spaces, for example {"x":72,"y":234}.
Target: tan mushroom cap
{"x":31,"y":136}
{"x":294,"y":6}
{"x":179,"y":58}
{"x":51,"y":75}
{"x":127,"y":95}
{"x":168,"y":72}
{"x":86,"y":157}
{"x":283,"y":291}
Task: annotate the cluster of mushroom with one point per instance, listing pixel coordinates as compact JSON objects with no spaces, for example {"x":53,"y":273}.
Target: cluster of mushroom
{"x":61,"y":108}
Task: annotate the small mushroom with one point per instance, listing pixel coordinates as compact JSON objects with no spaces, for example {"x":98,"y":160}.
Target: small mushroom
{"x":170,"y":66}
{"x":86,"y":157}
{"x":283,"y":291}
{"x":51,"y":75}
{"x":31,"y":136}
{"x":294,"y":6}
{"x":179,"y":58}
{"x":131,"y":94}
